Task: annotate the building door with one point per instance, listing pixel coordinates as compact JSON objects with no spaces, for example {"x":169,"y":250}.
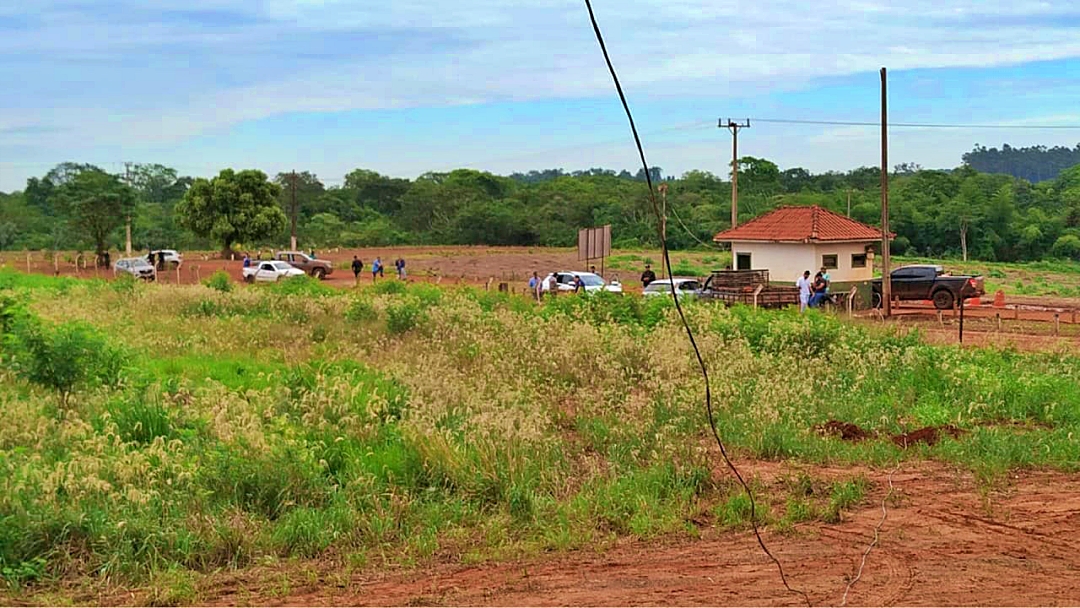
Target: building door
{"x":742,"y":261}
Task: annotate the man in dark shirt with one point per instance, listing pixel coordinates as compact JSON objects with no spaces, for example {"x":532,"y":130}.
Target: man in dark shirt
{"x":357,"y":266}
{"x":648,"y":276}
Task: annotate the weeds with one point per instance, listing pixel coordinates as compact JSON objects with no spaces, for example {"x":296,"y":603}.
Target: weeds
{"x":223,"y":428}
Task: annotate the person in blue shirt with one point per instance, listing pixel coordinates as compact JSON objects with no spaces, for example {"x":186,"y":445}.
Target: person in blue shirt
{"x":534,"y":285}
{"x":376,"y":269}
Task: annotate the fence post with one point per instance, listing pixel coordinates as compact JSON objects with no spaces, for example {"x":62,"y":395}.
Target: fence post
{"x":998,"y":316}
{"x":27,"y":262}
{"x":851,"y":300}
{"x":757,"y":291}
{"x":1057,"y":321}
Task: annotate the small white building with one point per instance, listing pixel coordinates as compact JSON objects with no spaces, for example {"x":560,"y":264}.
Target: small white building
{"x":791,"y":240}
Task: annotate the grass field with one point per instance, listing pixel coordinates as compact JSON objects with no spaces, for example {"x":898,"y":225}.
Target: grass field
{"x":153,"y":434}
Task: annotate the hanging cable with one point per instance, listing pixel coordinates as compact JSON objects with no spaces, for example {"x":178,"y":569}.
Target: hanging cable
{"x":910,"y":125}
{"x":682,"y":316}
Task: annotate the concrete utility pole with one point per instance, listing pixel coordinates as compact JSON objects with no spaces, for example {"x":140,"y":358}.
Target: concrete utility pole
{"x":292,"y":208}
{"x":663,"y":222}
{"x":849,"y":202}
{"x":127,"y":237}
{"x":734,"y":127}
{"x":886,"y":276}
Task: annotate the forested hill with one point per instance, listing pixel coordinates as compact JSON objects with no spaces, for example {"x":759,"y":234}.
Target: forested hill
{"x":1035,"y":164}
{"x":934,"y":213}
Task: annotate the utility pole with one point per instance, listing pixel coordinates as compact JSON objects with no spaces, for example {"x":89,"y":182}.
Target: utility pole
{"x":292,"y":208}
{"x":849,"y":202}
{"x":886,"y":276}
{"x":663,"y":221}
{"x":734,"y":127}
{"x":127,"y":236}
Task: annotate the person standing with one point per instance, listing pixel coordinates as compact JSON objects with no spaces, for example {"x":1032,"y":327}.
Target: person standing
{"x":376,"y":269}
{"x":357,"y":266}
{"x":804,"y":290}
{"x":818,"y":288}
{"x":553,"y":285}
{"x":534,"y":285}
{"x":247,"y":260}
{"x":647,"y":277}
{"x":399,"y":264}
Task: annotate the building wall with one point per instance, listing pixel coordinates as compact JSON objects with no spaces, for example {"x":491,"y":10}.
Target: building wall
{"x":787,"y":261}
{"x":844,"y":272}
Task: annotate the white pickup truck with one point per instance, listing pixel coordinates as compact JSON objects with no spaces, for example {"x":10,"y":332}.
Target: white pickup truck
{"x":270,"y":271}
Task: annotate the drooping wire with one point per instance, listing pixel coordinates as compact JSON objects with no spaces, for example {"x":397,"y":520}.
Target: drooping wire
{"x":690,"y":232}
{"x":682,"y":316}
{"x":877,"y":537}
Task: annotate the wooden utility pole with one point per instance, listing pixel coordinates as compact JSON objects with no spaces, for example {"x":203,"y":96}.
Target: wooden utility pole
{"x":127,"y":237}
{"x":886,"y":276}
{"x":734,"y":127}
{"x":663,"y":223}
{"x":849,"y":202}
{"x":292,"y":209}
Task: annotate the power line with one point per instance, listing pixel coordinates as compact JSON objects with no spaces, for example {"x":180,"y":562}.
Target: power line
{"x":682,"y":316}
{"x":910,"y":125}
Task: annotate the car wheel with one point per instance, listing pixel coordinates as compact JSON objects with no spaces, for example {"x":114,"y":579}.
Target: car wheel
{"x":249,"y":278}
{"x":319,"y":273}
{"x":944,"y":299}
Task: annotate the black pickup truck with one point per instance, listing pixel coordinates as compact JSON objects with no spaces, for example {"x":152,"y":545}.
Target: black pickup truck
{"x":927,"y":282}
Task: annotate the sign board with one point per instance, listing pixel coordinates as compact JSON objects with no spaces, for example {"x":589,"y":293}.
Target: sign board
{"x":594,"y":243}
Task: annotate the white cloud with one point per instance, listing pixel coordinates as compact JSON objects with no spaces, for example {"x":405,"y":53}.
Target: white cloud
{"x":162,"y":79}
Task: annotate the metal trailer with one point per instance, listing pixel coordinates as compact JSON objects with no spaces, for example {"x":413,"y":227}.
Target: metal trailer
{"x":749,"y":287}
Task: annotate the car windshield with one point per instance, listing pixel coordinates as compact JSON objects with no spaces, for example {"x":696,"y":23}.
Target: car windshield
{"x":281,"y":266}
{"x":137,"y":263}
{"x":591,"y":280}
{"x":658,"y":286}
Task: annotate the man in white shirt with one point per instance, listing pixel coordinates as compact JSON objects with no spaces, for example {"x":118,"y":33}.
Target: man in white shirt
{"x":804,"y":290}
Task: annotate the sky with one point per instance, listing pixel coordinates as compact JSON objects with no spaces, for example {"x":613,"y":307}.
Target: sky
{"x":409,"y":86}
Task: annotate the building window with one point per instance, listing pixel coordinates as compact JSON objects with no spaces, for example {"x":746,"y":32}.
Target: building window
{"x":829,"y":261}
{"x":858,"y":260}
{"x":742,"y":261}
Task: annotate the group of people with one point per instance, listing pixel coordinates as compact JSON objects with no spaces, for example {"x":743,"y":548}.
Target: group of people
{"x":813,"y":293}
{"x":377,"y":268}
{"x":160,"y":265}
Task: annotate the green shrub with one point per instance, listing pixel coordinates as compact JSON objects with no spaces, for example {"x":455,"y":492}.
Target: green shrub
{"x":219,"y":281}
{"x":304,"y":285}
{"x":360,"y":311}
{"x":402,"y":317}
{"x":63,"y":357}
{"x":390,"y":287}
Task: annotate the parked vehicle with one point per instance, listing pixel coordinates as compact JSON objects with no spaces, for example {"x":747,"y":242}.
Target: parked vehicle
{"x":316,"y":268}
{"x":172,"y":257}
{"x":593,"y":282}
{"x":929,"y":282}
{"x":270,"y":271}
{"x":686,"y":287}
{"x":136,"y":267}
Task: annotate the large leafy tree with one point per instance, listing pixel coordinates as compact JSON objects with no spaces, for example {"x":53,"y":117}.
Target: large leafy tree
{"x":233,"y":207}
{"x":95,"y":202}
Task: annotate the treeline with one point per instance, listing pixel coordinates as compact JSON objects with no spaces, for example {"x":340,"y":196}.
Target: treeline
{"x":1035,"y":164}
{"x":934,"y":213}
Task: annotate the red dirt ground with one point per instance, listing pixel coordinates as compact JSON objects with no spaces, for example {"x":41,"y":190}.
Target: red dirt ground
{"x":945,"y":542}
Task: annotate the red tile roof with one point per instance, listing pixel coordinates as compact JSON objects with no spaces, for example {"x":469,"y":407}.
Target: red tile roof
{"x":801,"y":225}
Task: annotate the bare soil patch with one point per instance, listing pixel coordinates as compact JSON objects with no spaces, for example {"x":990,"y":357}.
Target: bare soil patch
{"x":946,"y":542}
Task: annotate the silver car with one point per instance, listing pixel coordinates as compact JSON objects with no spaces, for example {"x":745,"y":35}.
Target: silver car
{"x":684,"y":286}
{"x":136,"y":267}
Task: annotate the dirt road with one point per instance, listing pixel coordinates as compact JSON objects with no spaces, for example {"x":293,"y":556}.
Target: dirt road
{"x":944,"y":542}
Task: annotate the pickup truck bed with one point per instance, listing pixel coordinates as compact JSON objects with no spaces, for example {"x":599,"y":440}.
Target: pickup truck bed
{"x":927,"y":282}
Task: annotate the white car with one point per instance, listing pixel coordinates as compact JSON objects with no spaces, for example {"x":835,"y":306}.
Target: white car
{"x":136,"y":267}
{"x":270,"y":271}
{"x":684,"y":286}
{"x":593,"y":282}
{"x":172,"y":257}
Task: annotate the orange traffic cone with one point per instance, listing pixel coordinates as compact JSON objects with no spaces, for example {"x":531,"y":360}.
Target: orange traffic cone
{"x":999,"y":299}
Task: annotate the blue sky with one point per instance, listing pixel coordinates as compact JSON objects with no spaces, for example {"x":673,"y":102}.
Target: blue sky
{"x":409,"y":86}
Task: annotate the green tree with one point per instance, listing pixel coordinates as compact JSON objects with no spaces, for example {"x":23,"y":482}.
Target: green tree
{"x":232,"y":207}
{"x":96,"y":203}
